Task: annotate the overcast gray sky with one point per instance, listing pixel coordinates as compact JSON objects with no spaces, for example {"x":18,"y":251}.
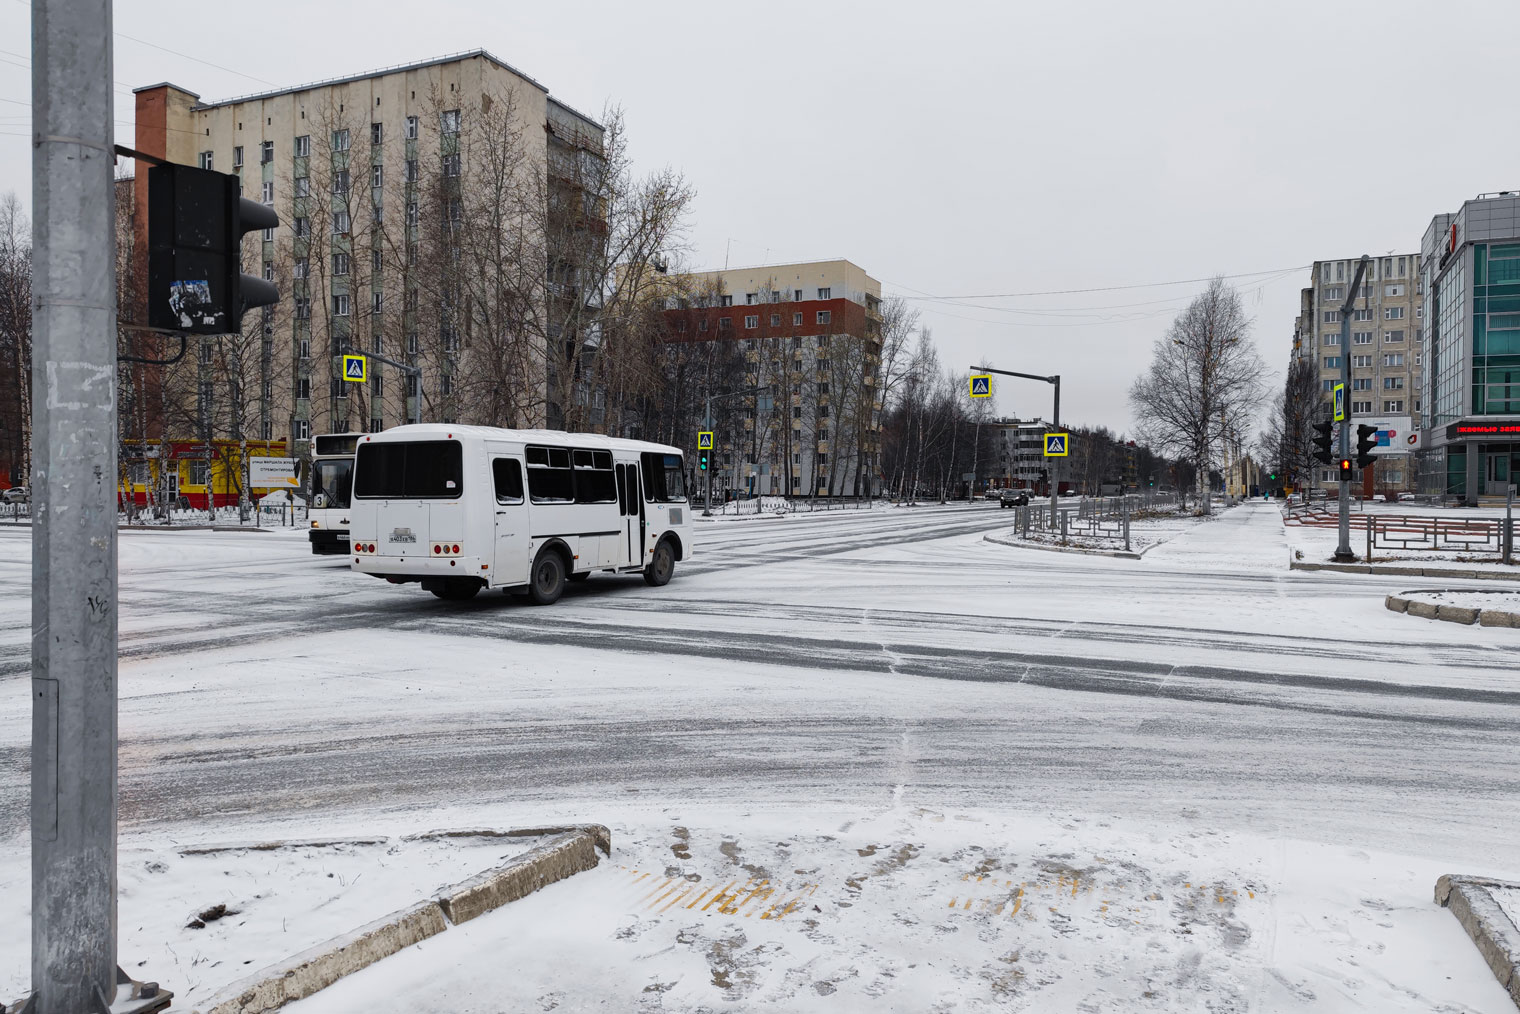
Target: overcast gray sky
{"x":960,"y":148}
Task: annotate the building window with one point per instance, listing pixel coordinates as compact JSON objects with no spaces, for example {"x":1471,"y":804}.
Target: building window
{"x":1393,"y":313}
{"x":455,"y":210}
{"x":303,"y":387}
{"x":303,"y":349}
{"x":411,"y":170}
{"x":377,"y":303}
{"x":302,"y":430}
{"x":753,"y":320}
{"x":1361,"y":384}
{"x":726,"y":301}
{"x":374,"y":259}
{"x":775,"y":320}
{"x":1393,"y":290}
{"x":269,"y":271}
{"x":1330,"y":339}
{"x":1328,"y":385}
{"x":205,"y":161}
{"x":377,"y":176}
{"x":303,"y":146}
{"x":411,"y":213}
{"x":1334,"y":292}
{"x":340,"y":140}
{"x":300,"y":267}
{"x":377,"y":212}
{"x":340,"y":222}
{"x":823,"y":411}
{"x":303,"y":308}
{"x":796,"y":411}
{"x":826,"y":293}
{"x":797,"y":319}
{"x":409,"y":300}
{"x":237,"y":157}
{"x":725,"y":323}
{"x":340,"y":263}
{"x":303,"y":186}
{"x":340,"y":306}
{"x":1393,"y":383}
{"x":267,"y":192}
{"x":1361,"y":361}
{"x":1393,"y":336}
{"x":1361,"y":407}
{"x":823,"y":316}
{"x":702,"y":324}
{"x":450,"y":121}
{"x":1393,"y":359}
{"x":1331,"y":317}
{"x":451,"y":164}
{"x":1363,"y":314}
{"x":376,"y":133}
{"x":1361,"y":337}
{"x":1332,"y":362}
{"x":1393,"y":406}
{"x":411,"y":343}
{"x":448,"y":384}
{"x":340,"y":182}
{"x":266,"y":152}
{"x":751,"y":298}
{"x":411,"y":128}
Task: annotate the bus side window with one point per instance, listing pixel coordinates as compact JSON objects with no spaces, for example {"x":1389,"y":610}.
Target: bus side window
{"x":507,"y":474}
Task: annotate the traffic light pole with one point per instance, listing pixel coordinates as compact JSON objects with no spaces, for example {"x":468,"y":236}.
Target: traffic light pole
{"x":707,"y":421}
{"x":1343,"y":553}
{"x":1055,"y":422}
{"x":73,"y":475}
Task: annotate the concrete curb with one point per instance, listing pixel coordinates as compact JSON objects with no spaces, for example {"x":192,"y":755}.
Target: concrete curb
{"x":1116,"y":553}
{"x":1379,"y":568}
{"x":1466,"y":615}
{"x":1496,"y":937}
{"x":567,"y":852}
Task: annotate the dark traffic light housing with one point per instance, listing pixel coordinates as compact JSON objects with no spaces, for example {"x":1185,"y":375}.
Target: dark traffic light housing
{"x":703,"y":464}
{"x":1346,"y":471}
{"x":1366,"y":441}
{"x":1322,"y":442}
{"x":196,"y":222}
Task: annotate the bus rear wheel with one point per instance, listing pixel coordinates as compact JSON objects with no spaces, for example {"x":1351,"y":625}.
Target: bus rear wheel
{"x":456,"y":589}
{"x":660,"y":569}
{"x":548,"y":579}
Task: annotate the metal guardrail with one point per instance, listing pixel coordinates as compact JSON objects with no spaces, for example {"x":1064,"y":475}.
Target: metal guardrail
{"x":781,"y":505}
{"x":1408,"y":532}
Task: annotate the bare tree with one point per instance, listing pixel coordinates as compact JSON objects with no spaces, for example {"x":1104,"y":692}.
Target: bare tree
{"x":1288,"y":442}
{"x":1204,"y":380}
{"x":15,"y":340}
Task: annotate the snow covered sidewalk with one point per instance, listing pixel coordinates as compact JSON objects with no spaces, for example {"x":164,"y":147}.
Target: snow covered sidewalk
{"x":1249,"y":536}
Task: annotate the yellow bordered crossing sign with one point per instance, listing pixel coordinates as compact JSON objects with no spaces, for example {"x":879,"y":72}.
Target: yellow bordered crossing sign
{"x":1057,"y":445}
{"x":705,"y":440}
{"x":354,"y":369}
{"x":1340,"y":402}
{"x":981,"y":385}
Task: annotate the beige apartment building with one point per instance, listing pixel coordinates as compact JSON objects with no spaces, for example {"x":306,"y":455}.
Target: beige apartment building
{"x":1386,"y":330}
{"x":368,"y":175}
{"x":811,"y":333}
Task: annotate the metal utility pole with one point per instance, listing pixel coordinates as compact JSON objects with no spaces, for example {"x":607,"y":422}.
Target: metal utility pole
{"x":1055,"y":420}
{"x":73,"y":813}
{"x":1343,"y":551}
{"x":707,"y":421}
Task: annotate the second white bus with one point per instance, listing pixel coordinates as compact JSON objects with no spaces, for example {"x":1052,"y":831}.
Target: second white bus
{"x":462,"y":508}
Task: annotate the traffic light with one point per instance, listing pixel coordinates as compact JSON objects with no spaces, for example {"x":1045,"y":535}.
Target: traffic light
{"x":196,"y":222}
{"x":702,"y":460}
{"x":1366,"y":440}
{"x":1346,"y":472}
{"x":1322,"y":442}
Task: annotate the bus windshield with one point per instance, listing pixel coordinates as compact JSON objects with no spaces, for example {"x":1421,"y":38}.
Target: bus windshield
{"x":333,"y":478}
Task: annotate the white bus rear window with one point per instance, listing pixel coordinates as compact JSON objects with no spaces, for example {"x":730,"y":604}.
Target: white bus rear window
{"x":423,"y":469}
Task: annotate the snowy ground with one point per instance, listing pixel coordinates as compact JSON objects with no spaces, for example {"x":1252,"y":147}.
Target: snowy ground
{"x":863,"y":707}
{"x":1505,"y":601}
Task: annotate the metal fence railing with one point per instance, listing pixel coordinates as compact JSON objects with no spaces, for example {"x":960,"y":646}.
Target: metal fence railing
{"x":1410,"y":532}
{"x":784,"y":505}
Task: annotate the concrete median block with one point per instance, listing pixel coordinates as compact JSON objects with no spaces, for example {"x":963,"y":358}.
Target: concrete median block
{"x":1424,"y":610}
{"x":1496,"y":937}
{"x":1397,"y":604}
{"x":1457,"y":614}
{"x":321,"y":966}
{"x":1498,"y":618}
{"x":556,"y":859}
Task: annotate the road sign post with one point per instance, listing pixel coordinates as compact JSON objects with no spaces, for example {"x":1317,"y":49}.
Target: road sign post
{"x":1344,"y":412}
{"x":1055,"y":420}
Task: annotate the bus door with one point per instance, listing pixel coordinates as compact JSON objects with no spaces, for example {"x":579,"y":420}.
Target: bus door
{"x":509,"y":564}
{"x":632,"y":516}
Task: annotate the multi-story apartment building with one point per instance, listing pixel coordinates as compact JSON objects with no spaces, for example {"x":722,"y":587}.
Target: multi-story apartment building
{"x":1384,"y":351}
{"x":810,"y":333}
{"x":1471,"y":272}
{"x":379,"y":180}
{"x":1020,"y":452}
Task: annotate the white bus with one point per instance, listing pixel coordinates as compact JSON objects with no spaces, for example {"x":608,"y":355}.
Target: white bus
{"x":332,"y":472}
{"x":461,"y":508}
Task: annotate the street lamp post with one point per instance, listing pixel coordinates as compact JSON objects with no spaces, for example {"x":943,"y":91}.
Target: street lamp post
{"x":1055,"y":418}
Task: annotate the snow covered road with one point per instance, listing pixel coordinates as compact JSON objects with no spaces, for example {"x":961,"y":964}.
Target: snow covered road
{"x":872,"y":670}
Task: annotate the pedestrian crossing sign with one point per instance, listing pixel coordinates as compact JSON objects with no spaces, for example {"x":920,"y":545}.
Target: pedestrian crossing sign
{"x":704,"y":440}
{"x":1057,"y":445}
{"x":981,"y":385}
{"x":353,"y":369}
